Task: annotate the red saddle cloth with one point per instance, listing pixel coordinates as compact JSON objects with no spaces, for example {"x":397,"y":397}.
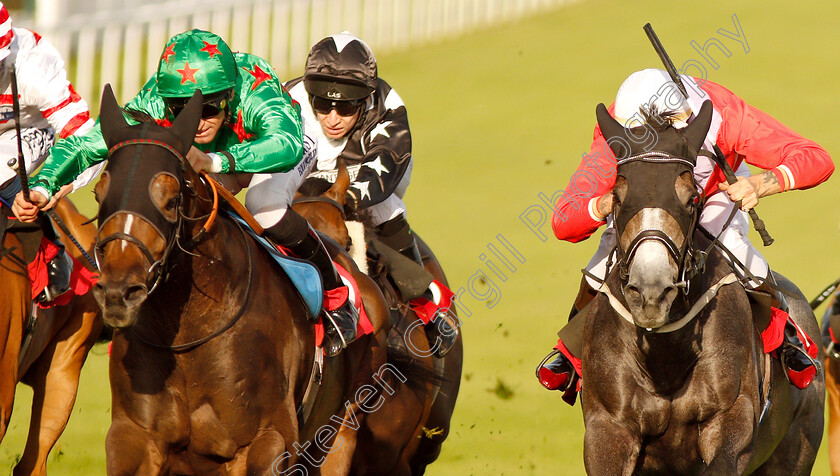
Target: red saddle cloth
{"x":336,"y":297}
{"x":772,"y":337}
{"x":81,"y":280}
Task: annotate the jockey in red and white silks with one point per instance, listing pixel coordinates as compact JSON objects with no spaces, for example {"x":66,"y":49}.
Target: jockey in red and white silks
{"x":744,"y":134}
{"x":49,"y":106}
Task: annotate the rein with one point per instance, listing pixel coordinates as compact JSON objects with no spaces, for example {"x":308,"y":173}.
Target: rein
{"x":191,"y":345}
{"x":157,"y":268}
{"x":321,"y":199}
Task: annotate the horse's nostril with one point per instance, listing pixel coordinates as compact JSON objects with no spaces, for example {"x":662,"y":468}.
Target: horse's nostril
{"x":669,"y":294}
{"x":135,"y":293}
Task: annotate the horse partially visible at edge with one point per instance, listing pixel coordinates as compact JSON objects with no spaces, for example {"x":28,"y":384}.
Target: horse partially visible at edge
{"x":412,"y":425}
{"x":664,"y":394}
{"x":58,"y":345}
{"x":214,"y":348}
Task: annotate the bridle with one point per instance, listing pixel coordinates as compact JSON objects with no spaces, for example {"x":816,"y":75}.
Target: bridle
{"x":690,"y":263}
{"x":158,"y":268}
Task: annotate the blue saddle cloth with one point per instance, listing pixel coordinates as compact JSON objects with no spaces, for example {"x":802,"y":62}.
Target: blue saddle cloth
{"x":305,"y":276}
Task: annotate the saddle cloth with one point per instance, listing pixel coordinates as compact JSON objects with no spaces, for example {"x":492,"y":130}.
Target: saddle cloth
{"x":305,"y":277}
{"x":81,"y":280}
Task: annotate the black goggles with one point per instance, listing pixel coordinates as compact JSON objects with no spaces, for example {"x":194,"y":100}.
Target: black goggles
{"x":211,"y":107}
{"x":342,"y":108}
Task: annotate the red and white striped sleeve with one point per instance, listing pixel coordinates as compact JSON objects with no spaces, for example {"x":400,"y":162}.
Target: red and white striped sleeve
{"x":43,"y":81}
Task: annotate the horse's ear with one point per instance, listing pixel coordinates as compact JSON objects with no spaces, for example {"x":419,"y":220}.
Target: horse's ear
{"x":111,"y":119}
{"x":611,"y":129}
{"x":186,"y":124}
{"x":695,"y":133}
{"x":338,"y":191}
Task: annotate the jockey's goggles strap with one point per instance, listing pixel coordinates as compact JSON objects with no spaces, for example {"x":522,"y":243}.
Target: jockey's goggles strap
{"x":158,"y":143}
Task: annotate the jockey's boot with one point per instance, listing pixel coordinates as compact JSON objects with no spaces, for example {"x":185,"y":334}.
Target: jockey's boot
{"x":59,"y":269}
{"x":440,"y":332}
{"x":800,"y":367}
{"x":295,"y":234}
{"x":559,"y":373}
{"x":798,"y":364}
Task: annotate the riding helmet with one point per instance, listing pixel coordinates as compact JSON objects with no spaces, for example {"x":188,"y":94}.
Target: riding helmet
{"x":341,"y":68}
{"x":195,"y":59}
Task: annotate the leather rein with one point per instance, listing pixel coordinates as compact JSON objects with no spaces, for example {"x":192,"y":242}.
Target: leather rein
{"x":158,"y":268}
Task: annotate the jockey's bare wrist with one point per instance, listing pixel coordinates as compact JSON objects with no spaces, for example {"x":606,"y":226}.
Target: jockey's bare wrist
{"x":601,"y":207}
{"x":43,"y":191}
{"x":766,"y":183}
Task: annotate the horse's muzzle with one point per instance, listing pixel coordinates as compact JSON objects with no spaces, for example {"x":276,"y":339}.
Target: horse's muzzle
{"x":119,"y":302}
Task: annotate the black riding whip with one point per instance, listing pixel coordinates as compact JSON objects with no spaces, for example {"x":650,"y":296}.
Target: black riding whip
{"x":718,"y":157}
{"x":20,"y":164}
{"x":20,"y":168}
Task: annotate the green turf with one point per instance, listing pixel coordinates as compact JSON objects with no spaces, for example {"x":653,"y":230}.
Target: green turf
{"x":503,"y":115}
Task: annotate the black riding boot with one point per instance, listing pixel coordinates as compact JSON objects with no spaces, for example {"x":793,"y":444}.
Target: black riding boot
{"x":59,"y":269}
{"x":294,"y":233}
{"x":440,"y":332}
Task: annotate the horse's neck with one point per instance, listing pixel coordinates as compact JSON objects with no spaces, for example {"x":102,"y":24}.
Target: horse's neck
{"x":194,"y":278}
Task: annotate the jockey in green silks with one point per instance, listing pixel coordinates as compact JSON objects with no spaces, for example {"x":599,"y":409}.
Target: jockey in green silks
{"x":250,"y":131}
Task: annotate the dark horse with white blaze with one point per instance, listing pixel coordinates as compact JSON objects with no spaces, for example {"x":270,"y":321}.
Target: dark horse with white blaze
{"x":681,"y":387}
{"x":214,"y":348}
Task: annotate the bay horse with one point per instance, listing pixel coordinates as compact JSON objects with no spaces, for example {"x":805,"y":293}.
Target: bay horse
{"x":213,"y":348}
{"x":665,"y":393}
{"x":58,"y":345}
{"x":412,"y":426}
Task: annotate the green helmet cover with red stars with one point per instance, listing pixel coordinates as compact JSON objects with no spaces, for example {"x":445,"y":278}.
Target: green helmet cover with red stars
{"x":195,"y":59}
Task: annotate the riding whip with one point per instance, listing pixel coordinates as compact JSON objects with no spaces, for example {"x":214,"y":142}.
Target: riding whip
{"x":718,"y":156}
{"x":20,"y":168}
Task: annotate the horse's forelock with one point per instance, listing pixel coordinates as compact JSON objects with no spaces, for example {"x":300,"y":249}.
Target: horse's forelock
{"x":658,"y":120}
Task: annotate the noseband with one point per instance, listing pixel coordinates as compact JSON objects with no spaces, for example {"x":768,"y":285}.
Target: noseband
{"x":158,"y":267}
{"x":682,"y":255}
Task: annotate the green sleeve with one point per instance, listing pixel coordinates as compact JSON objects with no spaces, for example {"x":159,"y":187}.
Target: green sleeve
{"x":71,"y":156}
{"x":68,"y":158}
{"x":270,"y":115}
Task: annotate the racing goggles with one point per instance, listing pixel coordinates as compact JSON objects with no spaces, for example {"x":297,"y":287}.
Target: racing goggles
{"x":342,"y":108}
{"x":211,"y":107}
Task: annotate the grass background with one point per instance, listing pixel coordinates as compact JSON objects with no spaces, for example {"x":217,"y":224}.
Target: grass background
{"x":502,"y":115}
